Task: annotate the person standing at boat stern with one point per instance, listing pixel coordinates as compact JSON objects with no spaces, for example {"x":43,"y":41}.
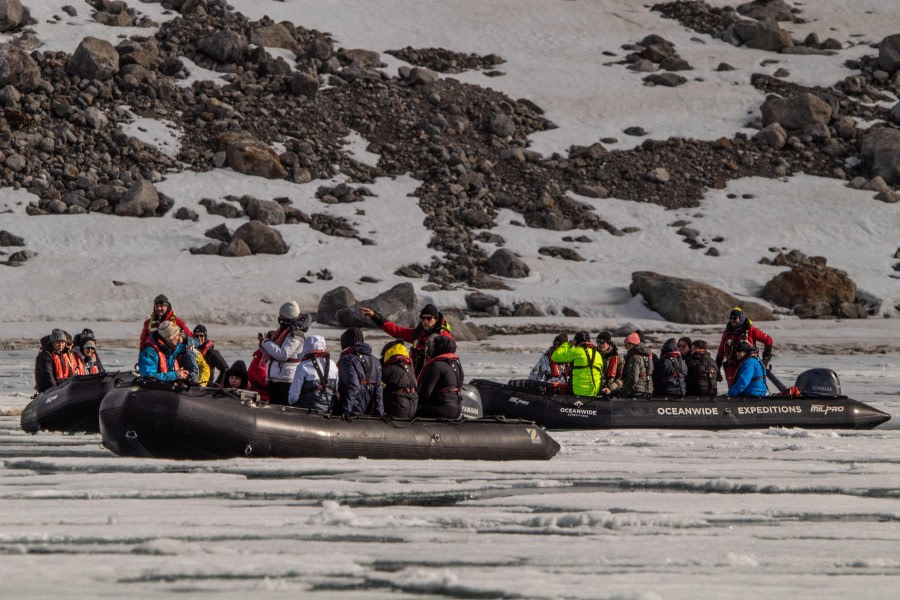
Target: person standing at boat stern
{"x":431,"y":322}
{"x":739,"y":329}
{"x":586,"y":370}
{"x":281,"y":349}
{"x":399,"y":381}
{"x":750,"y":379}
{"x":162,"y":311}
{"x":359,"y":377}
{"x":166,"y":356}
{"x":637,"y":378}
{"x":440,"y":381}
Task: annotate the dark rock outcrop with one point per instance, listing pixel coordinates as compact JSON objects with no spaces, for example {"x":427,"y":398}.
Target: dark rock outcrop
{"x":686,"y":301}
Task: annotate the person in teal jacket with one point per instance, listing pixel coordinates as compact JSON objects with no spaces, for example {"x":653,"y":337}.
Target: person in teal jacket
{"x":586,"y":362}
{"x":750,"y":379}
{"x":165,"y":357}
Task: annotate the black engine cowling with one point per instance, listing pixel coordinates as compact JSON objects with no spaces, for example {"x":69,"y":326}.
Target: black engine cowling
{"x":819,"y":382}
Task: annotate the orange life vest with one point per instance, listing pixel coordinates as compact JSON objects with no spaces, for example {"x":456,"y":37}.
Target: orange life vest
{"x":62,"y":368}
{"x":161,"y":355}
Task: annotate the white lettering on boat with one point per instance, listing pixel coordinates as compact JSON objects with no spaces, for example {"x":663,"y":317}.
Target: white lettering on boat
{"x":825,"y":409}
{"x":768,"y":410}
{"x":578,"y":412}
{"x":517,"y":400}
{"x":687,"y":410}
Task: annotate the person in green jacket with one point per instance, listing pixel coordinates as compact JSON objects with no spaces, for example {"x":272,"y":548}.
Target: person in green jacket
{"x":587,"y":364}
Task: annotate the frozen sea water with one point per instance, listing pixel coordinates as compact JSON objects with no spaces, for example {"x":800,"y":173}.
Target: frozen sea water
{"x":620,"y":514}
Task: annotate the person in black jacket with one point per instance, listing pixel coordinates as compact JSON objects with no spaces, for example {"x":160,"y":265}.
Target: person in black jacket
{"x":669,"y":371}
{"x":213,"y":358}
{"x":359,"y":377}
{"x":440,"y":381}
{"x":52,"y":364}
{"x":398,"y":380}
{"x":701,"y":375}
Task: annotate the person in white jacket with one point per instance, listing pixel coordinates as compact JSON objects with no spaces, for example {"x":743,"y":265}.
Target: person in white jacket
{"x":282,"y":349}
{"x":316,"y":380}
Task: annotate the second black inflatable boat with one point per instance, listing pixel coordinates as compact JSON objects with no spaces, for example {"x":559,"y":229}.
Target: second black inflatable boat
{"x":73,"y":405}
{"x":152,"y":420}
{"x":819,"y":405}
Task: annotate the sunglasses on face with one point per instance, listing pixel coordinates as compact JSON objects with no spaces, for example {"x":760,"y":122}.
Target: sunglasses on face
{"x":427,"y":318}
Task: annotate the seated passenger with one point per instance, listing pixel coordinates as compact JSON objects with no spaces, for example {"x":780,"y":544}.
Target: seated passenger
{"x":165,"y":356}
{"x":316,"y":379}
{"x":750,"y":379}
{"x":281,"y":350}
{"x":612,"y":366}
{"x":86,"y":352}
{"x":548,"y":370}
{"x":586,"y":364}
{"x":637,"y":376}
{"x":701,"y":377}
{"x":359,"y":377}
{"x":203,"y":371}
{"x":669,"y":372}
{"x":236,"y":376}
{"x":52,"y":366}
{"x":212,"y":356}
{"x":399,"y":381}
{"x":684,"y":346}
{"x":440,"y":381}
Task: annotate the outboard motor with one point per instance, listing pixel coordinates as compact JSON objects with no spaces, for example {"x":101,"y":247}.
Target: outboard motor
{"x":471,"y":402}
{"x":819,"y":382}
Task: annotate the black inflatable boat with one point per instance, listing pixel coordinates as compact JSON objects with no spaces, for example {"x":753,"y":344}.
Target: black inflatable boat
{"x":154,"y":420}
{"x":73,"y":405}
{"x":819,"y":405}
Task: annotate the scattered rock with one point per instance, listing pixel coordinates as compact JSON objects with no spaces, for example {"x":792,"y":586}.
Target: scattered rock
{"x":236,"y":247}
{"x":9,"y":239}
{"x":94,"y":59}
{"x":260,"y":238}
{"x":563,"y":253}
{"x":810,"y":286}
{"x":796,"y":112}
{"x":881,"y":154}
{"x":141,"y":200}
{"x":219,"y":232}
{"x":18,"y":69}
{"x":505,"y":263}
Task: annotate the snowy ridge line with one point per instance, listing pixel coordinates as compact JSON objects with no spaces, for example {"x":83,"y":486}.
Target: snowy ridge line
{"x":724,"y":486}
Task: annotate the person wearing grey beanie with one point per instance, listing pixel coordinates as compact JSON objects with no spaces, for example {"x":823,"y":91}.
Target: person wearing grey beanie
{"x":52,"y":365}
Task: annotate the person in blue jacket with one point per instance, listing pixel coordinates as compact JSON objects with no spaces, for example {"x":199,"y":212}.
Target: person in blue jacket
{"x":359,"y":377}
{"x":750,"y":379}
{"x":165,"y":357}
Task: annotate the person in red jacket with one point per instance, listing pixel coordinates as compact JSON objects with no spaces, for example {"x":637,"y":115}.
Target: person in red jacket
{"x":739,"y":329}
{"x":162,"y":311}
{"x":431,"y":322}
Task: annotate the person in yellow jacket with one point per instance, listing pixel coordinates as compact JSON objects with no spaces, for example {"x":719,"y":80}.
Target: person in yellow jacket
{"x":202,"y":365}
{"x":586,"y":371}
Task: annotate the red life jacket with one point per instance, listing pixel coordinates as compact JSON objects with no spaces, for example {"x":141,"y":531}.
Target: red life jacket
{"x":206,"y":347}
{"x":78,"y":366}
{"x":161,"y":355}
{"x":61,"y":367}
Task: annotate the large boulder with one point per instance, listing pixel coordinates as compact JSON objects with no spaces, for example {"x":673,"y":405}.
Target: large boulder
{"x":141,"y":199}
{"x":686,"y":301}
{"x":226,"y":46}
{"x":275,"y":36}
{"x":331,"y":302}
{"x":399,"y":305}
{"x":808,"y":287}
{"x":881,"y":154}
{"x":763,"y":10}
{"x":261,"y":238}
{"x":18,"y":69}
{"x":246,"y":154}
{"x":761,"y":35}
{"x":796,"y":112}
{"x":505,"y":263}
{"x":11,"y":14}
{"x":94,"y":59}
{"x":889,"y":53}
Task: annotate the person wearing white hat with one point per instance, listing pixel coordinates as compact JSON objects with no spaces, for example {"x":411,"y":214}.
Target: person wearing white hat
{"x":166,"y":357}
{"x":282,"y":349}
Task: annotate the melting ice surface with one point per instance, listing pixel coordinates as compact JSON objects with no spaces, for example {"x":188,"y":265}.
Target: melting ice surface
{"x":624,"y":514}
